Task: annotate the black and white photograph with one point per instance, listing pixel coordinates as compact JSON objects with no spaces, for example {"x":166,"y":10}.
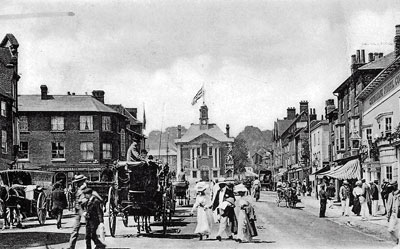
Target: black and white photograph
{"x":200,"y":124}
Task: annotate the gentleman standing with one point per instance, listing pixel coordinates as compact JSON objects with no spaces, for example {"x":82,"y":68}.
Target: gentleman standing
{"x":94,"y":217}
{"x":107,"y":174}
{"x":323,"y":199}
{"x":375,"y":197}
{"x":220,"y":197}
{"x":80,"y":202}
{"x":330,"y":191}
{"x":392,"y":209}
{"x":385,"y":193}
{"x":344,"y":194}
{"x":59,"y":202}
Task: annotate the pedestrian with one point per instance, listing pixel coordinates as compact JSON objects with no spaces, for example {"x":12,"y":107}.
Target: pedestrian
{"x":330,"y":192}
{"x":304,"y":188}
{"x":344,"y":194}
{"x":227,"y":219}
{"x":375,"y":197}
{"x":365,"y":196}
{"x":94,"y":217}
{"x":385,"y":193}
{"x":69,"y":195}
{"x":203,"y":227}
{"x":80,"y":203}
{"x":256,"y":188}
{"x":58,"y":203}
{"x":245,"y":214}
{"x":322,"y":200}
{"x":357,"y":192}
{"x":107,"y":174}
{"x":392,"y":209}
{"x":222,"y":194}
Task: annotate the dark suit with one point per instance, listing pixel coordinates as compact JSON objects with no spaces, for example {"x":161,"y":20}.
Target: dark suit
{"x":228,"y":193}
{"x":323,"y":199}
{"x":59,"y":202}
{"x":94,"y":216}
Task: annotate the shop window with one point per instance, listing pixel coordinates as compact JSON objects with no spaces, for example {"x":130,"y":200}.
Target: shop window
{"x":23,"y":150}
{"x":57,"y":150}
{"x":57,"y":123}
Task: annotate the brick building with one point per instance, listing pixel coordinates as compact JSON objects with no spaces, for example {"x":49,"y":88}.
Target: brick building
{"x":8,"y":99}
{"x":202,"y":151}
{"x":72,"y":134}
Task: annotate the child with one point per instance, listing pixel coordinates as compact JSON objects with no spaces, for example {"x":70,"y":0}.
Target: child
{"x":94,"y":216}
{"x":201,"y":204}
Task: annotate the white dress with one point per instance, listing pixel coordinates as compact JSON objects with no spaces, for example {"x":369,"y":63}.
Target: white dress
{"x":243,"y":222}
{"x":203,"y":216}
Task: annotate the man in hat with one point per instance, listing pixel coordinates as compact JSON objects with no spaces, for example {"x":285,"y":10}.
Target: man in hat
{"x":385,"y":193}
{"x":322,"y":200}
{"x":94,"y":217}
{"x":80,"y":203}
{"x":392,"y":208}
{"x":330,"y":191}
{"x":344,"y":194}
{"x":58,"y":202}
{"x":228,"y":222}
{"x":375,"y":197}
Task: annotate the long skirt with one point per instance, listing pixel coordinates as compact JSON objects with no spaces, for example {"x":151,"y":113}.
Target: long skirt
{"x":245,"y":231}
{"x":356,"y":206}
{"x":204,"y":219}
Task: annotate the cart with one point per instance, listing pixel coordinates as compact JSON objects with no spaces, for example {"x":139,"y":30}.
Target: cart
{"x":182,"y":192}
{"x":139,"y":190}
{"x":25,"y":192}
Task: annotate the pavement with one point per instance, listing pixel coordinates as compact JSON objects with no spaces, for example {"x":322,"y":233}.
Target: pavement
{"x":374,"y":226}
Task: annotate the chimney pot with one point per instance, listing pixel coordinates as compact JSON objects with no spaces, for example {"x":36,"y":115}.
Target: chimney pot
{"x":353,"y":59}
{"x":358,"y":56}
{"x":43,"y":90}
{"x":380,"y":55}
{"x":291,"y":113}
{"x":362,"y":56}
{"x":99,"y":95}
{"x":69,"y":93}
{"x":227,"y":130}
{"x":370,"y":57}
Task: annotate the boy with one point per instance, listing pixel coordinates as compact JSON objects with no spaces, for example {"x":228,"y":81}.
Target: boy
{"x":94,"y":217}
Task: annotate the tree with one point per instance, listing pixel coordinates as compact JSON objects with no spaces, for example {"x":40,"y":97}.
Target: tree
{"x":240,"y":153}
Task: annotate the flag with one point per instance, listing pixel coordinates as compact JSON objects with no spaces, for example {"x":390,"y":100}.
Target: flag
{"x":144,"y":118}
{"x":198,"y":95}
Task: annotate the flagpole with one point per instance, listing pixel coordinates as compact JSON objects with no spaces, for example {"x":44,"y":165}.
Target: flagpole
{"x":204,"y":94}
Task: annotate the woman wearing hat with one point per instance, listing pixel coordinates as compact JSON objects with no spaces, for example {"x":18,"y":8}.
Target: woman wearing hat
{"x":357,"y":192}
{"x":202,"y":204}
{"x":244,"y":212}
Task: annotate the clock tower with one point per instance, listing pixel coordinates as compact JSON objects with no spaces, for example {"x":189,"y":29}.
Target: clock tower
{"x":204,"y":117}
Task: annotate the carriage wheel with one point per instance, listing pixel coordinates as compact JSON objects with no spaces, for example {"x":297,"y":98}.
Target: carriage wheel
{"x":125,"y":218}
{"x":41,"y":208}
{"x":112,"y":214}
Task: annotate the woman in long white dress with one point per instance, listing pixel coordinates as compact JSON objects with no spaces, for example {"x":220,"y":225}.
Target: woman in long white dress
{"x":242,"y":205}
{"x":202,"y":205}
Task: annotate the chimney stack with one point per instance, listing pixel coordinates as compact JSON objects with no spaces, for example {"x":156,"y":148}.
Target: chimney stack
{"x":353,"y":59}
{"x":304,"y":106}
{"x":99,"y":95}
{"x":362,"y":60}
{"x":380,"y":55}
{"x":358,"y":56}
{"x":43,"y":90}
{"x":291,"y":113}
{"x":329,"y":106}
{"x":370,"y":57}
{"x":227,"y":130}
{"x":179,"y":131}
{"x":397,"y":41}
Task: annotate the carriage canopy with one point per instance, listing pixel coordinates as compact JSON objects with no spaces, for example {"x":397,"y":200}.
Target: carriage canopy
{"x":26,"y":177}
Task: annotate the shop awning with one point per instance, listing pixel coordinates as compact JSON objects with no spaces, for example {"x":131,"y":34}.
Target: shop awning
{"x":323,"y":170}
{"x":280,"y":173}
{"x":350,"y":170}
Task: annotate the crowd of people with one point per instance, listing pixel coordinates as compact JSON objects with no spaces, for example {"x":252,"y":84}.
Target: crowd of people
{"x":227,"y":205}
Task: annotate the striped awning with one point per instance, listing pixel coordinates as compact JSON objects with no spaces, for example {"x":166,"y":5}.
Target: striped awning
{"x":350,"y":170}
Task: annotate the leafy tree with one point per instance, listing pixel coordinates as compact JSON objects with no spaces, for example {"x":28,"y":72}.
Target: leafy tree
{"x":239,"y":153}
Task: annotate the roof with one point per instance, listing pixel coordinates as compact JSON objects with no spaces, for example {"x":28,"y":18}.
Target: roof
{"x":317,"y":123}
{"x":282,"y":125}
{"x":6,"y":73}
{"x":378,"y":64}
{"x":162,"y":152}
{"x":379,"y":79}
{"x":61,"y":103}
{"x":213,"y":131}
{"x":122,"y":110}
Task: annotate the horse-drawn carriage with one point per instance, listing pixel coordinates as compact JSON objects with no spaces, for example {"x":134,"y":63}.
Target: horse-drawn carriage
{"x":138,"y":189}
{"x":182,"y":192}
{"x":25,"y":192}
{"x":287,"y":194}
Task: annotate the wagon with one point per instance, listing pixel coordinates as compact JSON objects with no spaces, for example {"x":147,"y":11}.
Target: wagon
{"x":182,"y":192}
{"x":139,"y":190}
{"x":25,"y":192}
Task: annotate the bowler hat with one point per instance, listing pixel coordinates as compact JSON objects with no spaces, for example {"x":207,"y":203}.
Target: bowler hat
{"x":79,"y":178}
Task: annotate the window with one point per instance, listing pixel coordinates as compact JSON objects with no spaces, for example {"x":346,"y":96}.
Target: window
{"x":194,"y":174}
{"x":389,"y":172}
{"x":388,"y":126}
{"x":318,"y":138}
{"x":3,"y":109}
{"x":368,"y":134}
{"x":341,"y":137}
{"x":107,"y":152}
{"x":314,"y":140}
{"x":106,"y":123}
{"x":210,"y":151}
{"x":23,"y":123}
{"x":86,"y":123}
{"x":87,"y":151}
{"x":57,"y":150}
{"x":204,"y":149}
{"x":123,"y":151}
{"x":57,"y":123}
{"x":198,"y":152}
{"x":23,"y":150}
{"x":215,"y":173}
{"x":4,"y":141}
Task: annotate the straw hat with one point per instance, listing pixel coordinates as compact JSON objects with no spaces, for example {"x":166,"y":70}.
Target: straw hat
{"x":240,"y":188}
{"x":201,"y":186}
{"x":79,"y":178}
{"x":346,"y":182}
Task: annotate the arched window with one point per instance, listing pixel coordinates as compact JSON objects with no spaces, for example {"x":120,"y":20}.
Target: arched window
{"x":204,"y":149}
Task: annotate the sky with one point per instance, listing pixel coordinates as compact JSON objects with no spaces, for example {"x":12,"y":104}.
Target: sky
{"x":254,"y":58}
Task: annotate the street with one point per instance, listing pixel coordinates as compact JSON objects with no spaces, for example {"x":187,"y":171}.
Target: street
{"x":278,"y":227}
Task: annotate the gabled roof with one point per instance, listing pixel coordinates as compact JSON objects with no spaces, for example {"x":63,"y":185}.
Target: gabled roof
{"x":122,"y":110}
{"x":282,"y":125}
{"x":7,"y":59}
{"x":194,"y":132}
{"x":61,"y":103}
{"x":379,"y":79}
